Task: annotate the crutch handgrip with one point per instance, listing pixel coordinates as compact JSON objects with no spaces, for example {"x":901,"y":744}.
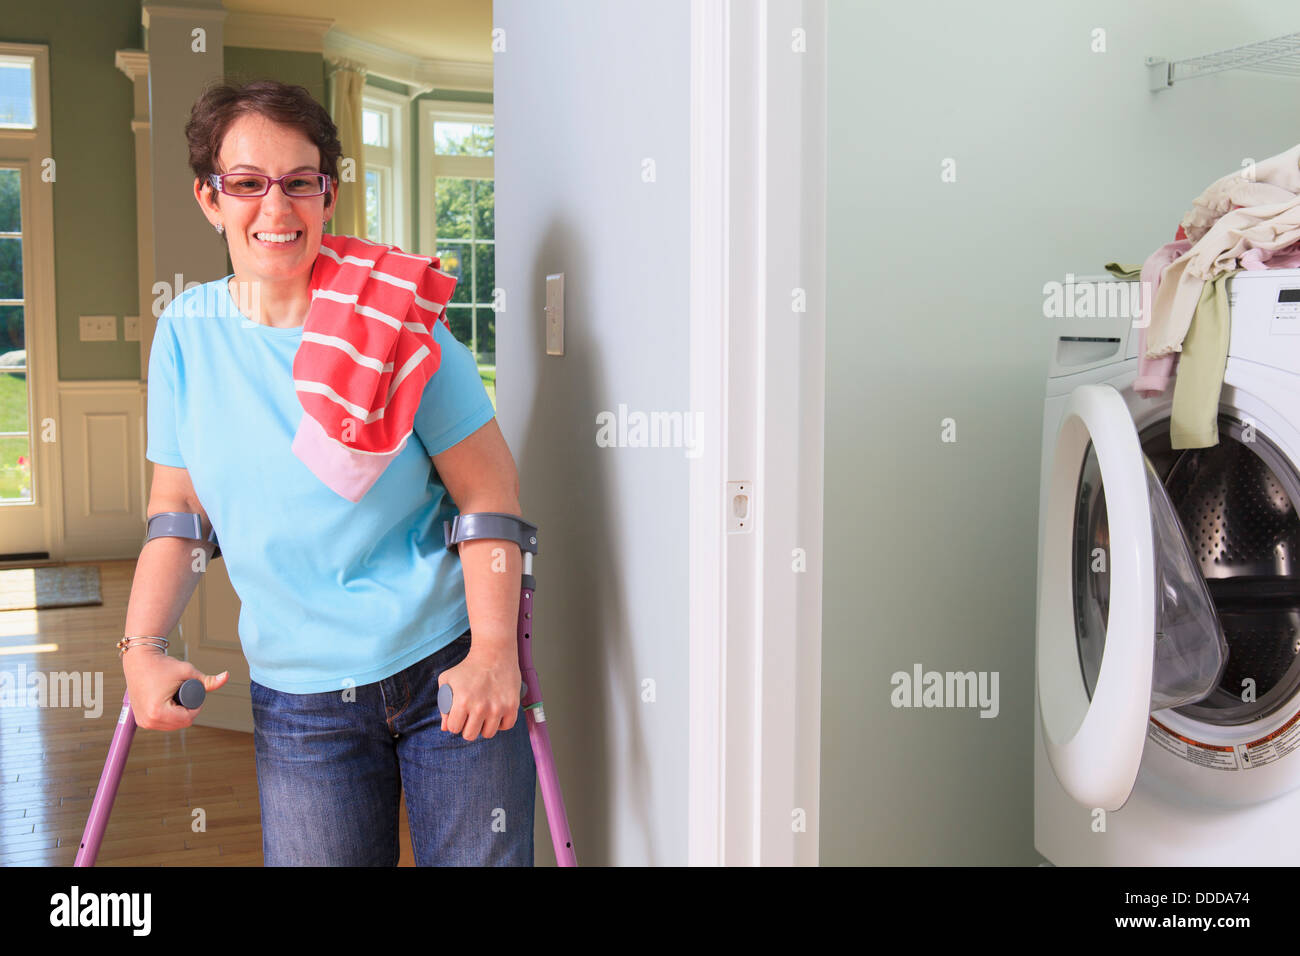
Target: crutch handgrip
{"x":190,"y":694}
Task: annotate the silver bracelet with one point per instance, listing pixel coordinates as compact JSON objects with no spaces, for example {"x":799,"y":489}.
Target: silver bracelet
{"x":127,"y":643}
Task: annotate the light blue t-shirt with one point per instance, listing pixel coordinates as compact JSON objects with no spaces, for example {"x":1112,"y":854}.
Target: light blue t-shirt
{"x":334,"y":592}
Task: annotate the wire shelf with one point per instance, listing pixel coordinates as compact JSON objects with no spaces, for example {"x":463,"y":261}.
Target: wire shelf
{"x":1280,"y":55}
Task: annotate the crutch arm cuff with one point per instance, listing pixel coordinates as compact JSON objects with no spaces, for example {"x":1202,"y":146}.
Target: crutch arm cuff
{"x":180,"y":524}
{"x":490,"y":524}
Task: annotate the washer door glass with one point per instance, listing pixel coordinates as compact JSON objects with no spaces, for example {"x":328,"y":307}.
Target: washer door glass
{"x":1190,"y":650}
{"x":1236,"y":501}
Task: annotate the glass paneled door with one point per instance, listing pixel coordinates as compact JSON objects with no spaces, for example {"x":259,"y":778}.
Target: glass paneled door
{"x":22,"y":526}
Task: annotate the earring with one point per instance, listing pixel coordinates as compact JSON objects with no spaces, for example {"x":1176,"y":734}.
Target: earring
{"x":220,"y":228}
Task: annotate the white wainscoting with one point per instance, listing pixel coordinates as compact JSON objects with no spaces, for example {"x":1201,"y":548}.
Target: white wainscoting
{"x":100,"y":454}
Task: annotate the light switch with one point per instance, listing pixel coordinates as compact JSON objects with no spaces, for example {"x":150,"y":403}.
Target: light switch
{"x":131,"y":328}
{"x":98,"y":328}
{"x":555,"y":314}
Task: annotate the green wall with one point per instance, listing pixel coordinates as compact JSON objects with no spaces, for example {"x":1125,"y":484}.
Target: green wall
{"x":244,"y":64}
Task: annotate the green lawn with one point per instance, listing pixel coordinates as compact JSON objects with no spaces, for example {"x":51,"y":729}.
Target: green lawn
{"x":13,"y":418}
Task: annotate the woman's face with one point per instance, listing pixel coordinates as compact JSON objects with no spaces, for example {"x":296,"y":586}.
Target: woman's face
{"x":255,"y":144}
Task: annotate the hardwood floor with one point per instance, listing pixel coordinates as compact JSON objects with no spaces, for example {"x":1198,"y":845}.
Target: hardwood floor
{"x":51,"y":758}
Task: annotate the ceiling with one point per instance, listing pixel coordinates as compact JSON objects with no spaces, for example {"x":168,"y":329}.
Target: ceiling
{"x":441,"y":29}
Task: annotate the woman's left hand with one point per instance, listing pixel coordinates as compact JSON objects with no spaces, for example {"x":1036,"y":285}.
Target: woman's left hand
{"x":485,"y":693}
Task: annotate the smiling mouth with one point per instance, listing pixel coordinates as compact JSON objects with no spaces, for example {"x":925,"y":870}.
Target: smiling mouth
{"x":278,"y":240}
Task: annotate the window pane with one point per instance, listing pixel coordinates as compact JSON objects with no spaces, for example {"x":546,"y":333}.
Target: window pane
{"x":12,"y":337}
{"x":15,"y":467}
{"x":454,"y":208}
{"x":461,"y":323}
{"x":485,"y":272}
{"x":455,"y":260}
{"x":11,"y":219}
{"x":462,"y":139}
{"x":485,"y":209}
{"x":17,"y":108}
{"x":13,"y":383}
{"x":372,"y":205}
{"x":372,"y":128}
{"x":11,"y":267}
{"x":487,"y":336}
{"x":15,"y":453}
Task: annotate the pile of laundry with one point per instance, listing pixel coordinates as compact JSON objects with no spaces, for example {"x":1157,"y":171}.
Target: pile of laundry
{"x":1249,"y":219}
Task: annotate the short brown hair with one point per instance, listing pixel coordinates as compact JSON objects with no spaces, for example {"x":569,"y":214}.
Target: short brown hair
{"x":289,"y":105}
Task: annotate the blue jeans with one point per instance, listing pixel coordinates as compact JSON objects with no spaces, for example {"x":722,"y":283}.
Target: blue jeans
{"x":330,"y":773}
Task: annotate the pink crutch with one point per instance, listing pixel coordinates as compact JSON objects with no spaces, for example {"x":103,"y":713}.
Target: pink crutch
{"x":508,"y":527}
{"x":190,"y":694}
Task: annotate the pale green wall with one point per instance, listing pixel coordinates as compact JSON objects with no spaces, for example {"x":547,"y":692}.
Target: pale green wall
{"x":1065,"y":161}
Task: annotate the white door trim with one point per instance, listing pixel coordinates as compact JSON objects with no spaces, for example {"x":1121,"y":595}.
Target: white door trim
{"x":757,"y":365}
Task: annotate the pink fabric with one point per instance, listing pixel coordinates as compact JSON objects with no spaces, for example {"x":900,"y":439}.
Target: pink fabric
{"x":1288,"y":258}
{"x":367,"y":352}
{"x":1154,"y":373}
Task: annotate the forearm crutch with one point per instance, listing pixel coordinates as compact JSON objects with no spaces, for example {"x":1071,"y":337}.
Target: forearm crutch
{"x":190,"y":695}
{"x":508,"y":527}
{"x":165,"y":524}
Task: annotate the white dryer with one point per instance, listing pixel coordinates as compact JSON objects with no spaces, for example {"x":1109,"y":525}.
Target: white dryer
{"x":1167,"y":697}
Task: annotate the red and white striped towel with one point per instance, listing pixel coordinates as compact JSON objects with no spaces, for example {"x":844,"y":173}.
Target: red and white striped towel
{"x":367,"y":352}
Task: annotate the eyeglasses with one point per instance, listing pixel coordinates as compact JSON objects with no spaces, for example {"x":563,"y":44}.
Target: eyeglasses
{"x":252,"y":185}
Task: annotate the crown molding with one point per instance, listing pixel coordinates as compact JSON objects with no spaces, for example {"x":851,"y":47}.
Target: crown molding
{"x":267,"y":31}
{"x":134,"y":63}
{"x":421,"y":72}
{"x":164,"y":12}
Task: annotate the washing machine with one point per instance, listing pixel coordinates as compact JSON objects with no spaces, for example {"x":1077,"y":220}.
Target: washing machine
{"x":1167,"y":659}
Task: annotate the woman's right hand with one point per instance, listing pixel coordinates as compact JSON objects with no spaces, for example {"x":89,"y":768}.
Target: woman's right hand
{"x":152,"y":678}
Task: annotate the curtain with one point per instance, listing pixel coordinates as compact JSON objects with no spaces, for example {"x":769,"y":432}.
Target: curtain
{"x":346,"y":80}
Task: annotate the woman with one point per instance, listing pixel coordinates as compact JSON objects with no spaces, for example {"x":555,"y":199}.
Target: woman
{"x":350,"y":611}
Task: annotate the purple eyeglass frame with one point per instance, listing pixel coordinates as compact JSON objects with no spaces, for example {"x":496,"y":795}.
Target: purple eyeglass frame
{"x":218,"y":183}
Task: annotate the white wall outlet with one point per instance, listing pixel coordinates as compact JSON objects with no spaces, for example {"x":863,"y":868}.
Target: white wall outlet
{"x":555,"y":314}
{"x":740,"y":507}
{"x":131,"y":328}
{"x":99,"y":328}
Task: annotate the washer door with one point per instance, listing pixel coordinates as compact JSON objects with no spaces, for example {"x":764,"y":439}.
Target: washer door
{"x":1125,"y":620}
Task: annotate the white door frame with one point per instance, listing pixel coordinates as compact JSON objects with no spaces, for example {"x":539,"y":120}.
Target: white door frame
{"x":758,"y":227}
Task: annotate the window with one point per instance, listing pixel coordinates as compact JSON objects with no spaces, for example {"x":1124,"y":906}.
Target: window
{"x":17,"y":105}
{"x":457,"y":142}
{"x":383,"y":119}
